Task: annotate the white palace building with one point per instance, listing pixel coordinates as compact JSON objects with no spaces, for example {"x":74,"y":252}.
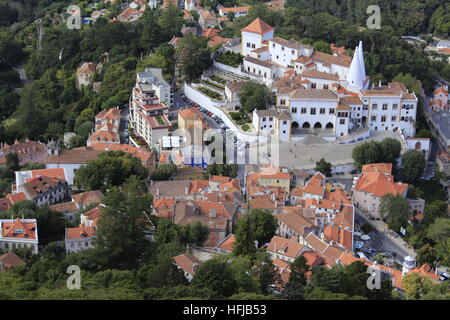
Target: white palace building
{"x":320,"y":93}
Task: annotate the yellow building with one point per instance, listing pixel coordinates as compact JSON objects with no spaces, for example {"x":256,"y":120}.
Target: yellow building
{"x":278,"y":179}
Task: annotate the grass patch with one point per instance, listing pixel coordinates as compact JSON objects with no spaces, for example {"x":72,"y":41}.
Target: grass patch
{"x":213,"y":84}
{"x":210,"y":93}
{"x":245,"y":127}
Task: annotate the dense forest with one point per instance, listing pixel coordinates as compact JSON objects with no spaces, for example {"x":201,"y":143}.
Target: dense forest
{"x":34,"y":36}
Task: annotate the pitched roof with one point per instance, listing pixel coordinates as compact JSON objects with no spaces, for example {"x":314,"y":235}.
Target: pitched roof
{"x":235,"y":9}
{"x":57,"y":173}
{"x":379,"y":184}
{"x":227,"y":244}
{"x":88,"y":197}
{"x":187,"y":263}
{"x":65,"y":207}
{"x":19,"y":228}
{"x":308,"y":94}
{"x":80,"y":232}
{"x":385,"y":168}
{"x":319,"y":75}
{"x":11,"y":260}
{"x":142,"y":154}
{"x":87,"y":68}
{"x":286,"y":247}
{"x":295,"y":221}
{"x":79,"y":155}
{"x":38,"y":185}
{"x":258,"y":26}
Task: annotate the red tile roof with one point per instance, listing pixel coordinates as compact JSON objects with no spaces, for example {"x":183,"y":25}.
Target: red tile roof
{"x":19,"y":229}
{"x":258,"y":26}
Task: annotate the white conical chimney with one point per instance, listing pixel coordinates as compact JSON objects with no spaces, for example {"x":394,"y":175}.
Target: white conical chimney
{"x":354,"y":77}
{"x":361,"y":60}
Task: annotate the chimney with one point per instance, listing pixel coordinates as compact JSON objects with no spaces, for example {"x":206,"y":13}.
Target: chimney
{"x":212,"y":213}
{"x":157,"y":191}
{"x":186,"y":190}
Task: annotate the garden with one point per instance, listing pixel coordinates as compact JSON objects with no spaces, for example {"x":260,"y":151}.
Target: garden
{"x":230,"y":58}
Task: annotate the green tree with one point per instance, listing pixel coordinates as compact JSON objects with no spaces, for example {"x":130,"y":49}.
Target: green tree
{"x":297,"y":280}
{"x":443,"y":251}
{"x":254,"y":96}
{"x":426,"y":254}
{"x":323,"y":167}
{"x":164,"y":171}
{"x":121,"y":235}
{"x":390,"y":150}
{"x":413,"y":163}
{"x":245,"y":239}
{"x":109,"y":169}
{"x":424,"y":133}
{"x":264,"y":224}
{"x":217,"y":276}
{"x":368,"y":152}
{"x":434,"y":210}
{"x":439,"y":230}
{"x":416,"y":286}
{"x":12,"y":161}
{"x":394,"y":210}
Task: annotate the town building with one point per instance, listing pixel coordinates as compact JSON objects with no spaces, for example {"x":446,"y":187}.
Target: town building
{"x":85,"y":73}
{"x":324,"y":94}
{"x":149,"y":106}
{"x":441,"y":99}
{"x":19,"y":234}
{"x":375,"y":181}
{"x":10,"y":199}
{"x":188,"y":264}
{"x":27,"y":151}
{"x":207,"y":19}
{"x":10,"y":260}
{"x":43,"y":186}
{"x":106,"y":127}
{"x":70,"y":160}
{"x":237,"y":11}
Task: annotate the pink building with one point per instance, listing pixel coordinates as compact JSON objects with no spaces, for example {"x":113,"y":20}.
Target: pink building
{"x":375,"y":181}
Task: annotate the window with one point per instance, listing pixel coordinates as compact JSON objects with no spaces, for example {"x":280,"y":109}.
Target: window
{"x":313,"y":110}
{"x":373,"y":118}
{"x":374,"y":106}
{"x":264,"y":119}
{"x":282,"y":102}
{"x":383,"y":118}
{"x":303,"y":110}
{"x":313,"y":86}
{"x":322,"y":110}
{"x":385,"y":106}
{"x":395,"y":106}
{"x":284,"y":122}
{"x":282,"y":48}
{"x":394,"y":118}
{"x":253,"y":45}
{"x":365,"y":107}
{"x":292,"y":52}
{"x":270,"y":118}
{"x":294,"y":110}
{"x":325,"y":86}
{"x":248,"y":44}
{"x":332,"y":111}
{"x":342,"y":121}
